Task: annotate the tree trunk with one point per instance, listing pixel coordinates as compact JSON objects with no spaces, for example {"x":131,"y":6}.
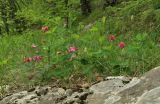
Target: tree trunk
{"x":13,"y":9}
{"x":85,"y":7}
{"x":113,"y":2}
{"x":4,"y":15}
{"x":109,"y":2}
{"x":66,"y":18}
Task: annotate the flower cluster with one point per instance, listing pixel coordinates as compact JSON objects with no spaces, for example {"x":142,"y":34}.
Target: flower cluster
{"x":34,"y":46}
{"x":112,"y":38}
{"x":45,"y":28}
{"x":27,"y":59}
{"x":34,"y":58}
{"x":72,"y":49}
{"x":121,"y":44}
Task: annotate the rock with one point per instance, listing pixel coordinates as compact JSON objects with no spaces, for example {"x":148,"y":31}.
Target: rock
{"x":61,"y":91}
{"x":116,"y":77}
{"x":144,"y":90}
{"x":112,"y":99}
{"x":113,"y":90}
{"x":70,"y":100}
{"x":5,"y":88}
{"x":32,"y":89}
{"x":83,"y":95}
{"x":50,"y":98}
{"x":68,"y":92}
{"x":150,"y":97}
{"x":86,"y":85}
{"x":132,"y":83}
{"x":76,"y":98}
{"x":42,"y":91}
{"x":46,"y":95}
{"x":13,"y":98}
{"x":96,"y":98}
{"x":107,"y":86}
{"x":106,"y":92}
{"x":31,"y":99}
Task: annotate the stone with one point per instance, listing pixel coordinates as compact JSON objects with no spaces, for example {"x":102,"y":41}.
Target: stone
{"x":42,"y":91}
{"x":30,"y":98}
{"x":113,"y":90}
{"x":112,"y":99}
{"x":86,"y":85}
{"x":48,"y":99}
{"x":150,"y":97}
{"x":143,"y":90}
{"x":132,"y":83}
{"x":70,"y":100}
{"x":5,"y":88}
{"x":107,"y":86}
{"x":61,"y":91}
{"x":96,"y":98}
{"x":68,"y":92}
{"x":106,"y":90}
{"x":13,"y":98}
{"x":83,"y":95}
{"x":32,"y":89}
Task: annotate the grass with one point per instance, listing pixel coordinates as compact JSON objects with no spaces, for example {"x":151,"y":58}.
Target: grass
{"x":96,"y":54}
{"x":127,"y":16}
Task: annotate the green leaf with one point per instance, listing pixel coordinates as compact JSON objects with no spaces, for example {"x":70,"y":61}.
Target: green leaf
{"x":66,"y":57}
{"x":84,"y":61}
{"x":132,"y":49}
{"x":120,"y":63}
{"x":94,"y":29}
{"x":103,"y":19}
{"x":3,"y":62}
{"x":141,"y":37}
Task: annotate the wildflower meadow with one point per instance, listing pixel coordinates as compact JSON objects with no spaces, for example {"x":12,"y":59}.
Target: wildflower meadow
{"x":46,"y":44}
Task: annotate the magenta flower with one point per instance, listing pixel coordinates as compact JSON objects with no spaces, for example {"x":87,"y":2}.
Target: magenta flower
{"x":72,"y":49}
{"x":45,"y":28}
{"x":37,"y":58}
{"x":112,"y":38}
{"x":34,"y":46}
{"x":121,"y":45}
{"x":27,"y":59}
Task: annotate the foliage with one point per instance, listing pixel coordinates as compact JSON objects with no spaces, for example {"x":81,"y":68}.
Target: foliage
{"x":129,"y":15}
{"x":120,"y":40}
{"x":9,"y":20}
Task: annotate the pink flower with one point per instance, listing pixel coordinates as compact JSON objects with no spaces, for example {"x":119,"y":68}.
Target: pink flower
{"x":37,"y":58}
{"x":34,"y":46}
{"x":45,"y":28}
{"x":27,"y":59}
{"x":112,"y":38}
{"x":72,"y":49}
{"x":121,"y":45}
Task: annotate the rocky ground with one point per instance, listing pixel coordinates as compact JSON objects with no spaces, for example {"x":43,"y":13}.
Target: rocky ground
{"x":113,"y":90}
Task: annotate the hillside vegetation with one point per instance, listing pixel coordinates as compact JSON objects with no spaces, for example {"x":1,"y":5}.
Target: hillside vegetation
{"x":119,"y":39}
